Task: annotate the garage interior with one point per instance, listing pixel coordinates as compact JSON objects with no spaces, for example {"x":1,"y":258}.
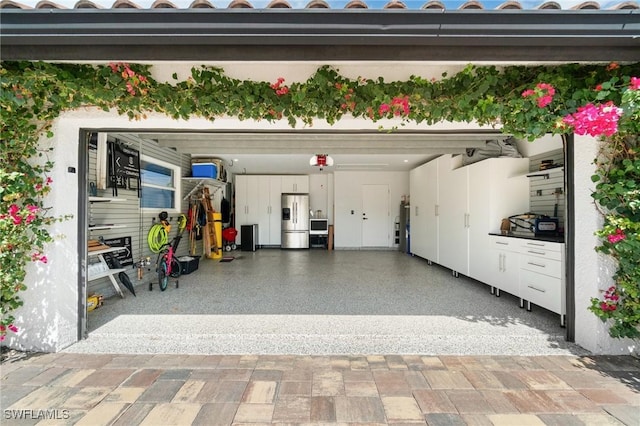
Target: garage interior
{"x":350,"y":299}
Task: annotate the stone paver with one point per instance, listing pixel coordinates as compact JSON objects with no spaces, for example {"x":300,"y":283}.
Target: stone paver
{"x":296,"y":390}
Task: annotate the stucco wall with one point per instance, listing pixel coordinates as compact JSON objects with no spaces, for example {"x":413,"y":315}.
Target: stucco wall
{"x":593,"y":270}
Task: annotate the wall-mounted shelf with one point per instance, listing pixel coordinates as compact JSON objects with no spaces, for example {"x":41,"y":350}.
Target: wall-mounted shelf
{"x":95,"y":227}
{"x":107,"y":272}
{"x":200,"y":182}
{"x":545,"y":174}
{"x":93,"y":199}
{"x":107,"y":250}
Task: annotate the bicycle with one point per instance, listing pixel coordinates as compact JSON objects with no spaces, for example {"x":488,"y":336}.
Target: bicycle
{"x":167,"y":265}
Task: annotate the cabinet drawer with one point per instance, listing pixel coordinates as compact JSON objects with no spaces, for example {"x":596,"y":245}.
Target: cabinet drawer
{"x":541,"y":253}
{"x":503,"y":243}
{"x":541,"y":265}
{"x":541,"y":245}
{"x":541,"y":290}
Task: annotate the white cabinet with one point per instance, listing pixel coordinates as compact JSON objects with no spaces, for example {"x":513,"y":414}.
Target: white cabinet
{"x":542,"y":279}
{"x":246,"y":204}
{"x":453,"y":229}
{"x":258,"y":201}
{"x":295,"y":184}
{"x":496,"y":190}
{"x":423,"y":189}
{"x":453,"y":209}
{"x":269,"y":206}
{"x":503,"y":265}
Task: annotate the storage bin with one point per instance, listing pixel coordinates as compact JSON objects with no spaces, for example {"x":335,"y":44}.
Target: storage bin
{"x":188,"y":264}
{"x":204,"y":170}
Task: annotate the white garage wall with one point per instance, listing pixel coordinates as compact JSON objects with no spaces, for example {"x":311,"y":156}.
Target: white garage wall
{"x":348,"y":197}
{"x":593,"y":270}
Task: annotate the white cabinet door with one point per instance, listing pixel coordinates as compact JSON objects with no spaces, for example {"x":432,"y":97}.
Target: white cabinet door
{"x":264,"y":205}
{"x":494,"y":194}
{"x":423,"y":188}
{"x":504,"y":266}
{"x":275,"y":210}
{"x":453,"y":227}
{"x":295,"y":184}
{"x":416,"y":224}
{"x":247,"y":208}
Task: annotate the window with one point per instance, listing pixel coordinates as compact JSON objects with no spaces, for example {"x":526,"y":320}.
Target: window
{"x":160,"y":184}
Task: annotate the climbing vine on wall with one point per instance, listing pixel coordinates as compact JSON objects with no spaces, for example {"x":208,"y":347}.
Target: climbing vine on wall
{"x":528,"y":101}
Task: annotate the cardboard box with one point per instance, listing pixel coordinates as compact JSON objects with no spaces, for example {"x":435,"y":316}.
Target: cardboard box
{"x":204,"y":170}
{"x":188,"y":264}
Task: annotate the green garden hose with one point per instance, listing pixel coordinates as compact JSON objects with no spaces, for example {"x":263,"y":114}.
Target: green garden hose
{"x":157,"y":237}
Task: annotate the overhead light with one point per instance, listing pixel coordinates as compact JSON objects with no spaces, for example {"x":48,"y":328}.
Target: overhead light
{"x":321,"y":160}
{"x":235,"y":160}
{"x":406,"y":161}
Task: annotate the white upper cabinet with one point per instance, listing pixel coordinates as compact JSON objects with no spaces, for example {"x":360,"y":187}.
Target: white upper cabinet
{"x":295,"y":184}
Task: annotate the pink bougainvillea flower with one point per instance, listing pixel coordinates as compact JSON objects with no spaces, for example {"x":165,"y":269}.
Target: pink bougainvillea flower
{"x":400,"y":105}
{"x":2,"y":328}
{"x":130,"y":89}
{"x":546,"y":87}
{"x":383,"y":109}
{"x":635,"y":83}
{"x":49,"y":181}
{"x":2,"y":337}
{"x":592,"y":120}
{"x":543,"y":101}
{"x":617,"y":237}
{"x":13,"y":328}
{"x":598,"y":88}
{"x":543,"y":94}
{"x":613,"y":66}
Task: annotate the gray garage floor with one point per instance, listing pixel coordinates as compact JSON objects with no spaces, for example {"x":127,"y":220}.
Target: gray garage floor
{"x":320,"y":302}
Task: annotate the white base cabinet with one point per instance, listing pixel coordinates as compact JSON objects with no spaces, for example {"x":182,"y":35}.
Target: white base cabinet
{"x":504,"y":266}
{"x":542,"y":280}
{"x":531,"y":270}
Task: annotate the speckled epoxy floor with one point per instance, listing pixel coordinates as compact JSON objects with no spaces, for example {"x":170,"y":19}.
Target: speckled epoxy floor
{"x":320,"y":302}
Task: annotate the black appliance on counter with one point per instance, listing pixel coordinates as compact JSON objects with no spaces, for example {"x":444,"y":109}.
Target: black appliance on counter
{"x":534,"y":225}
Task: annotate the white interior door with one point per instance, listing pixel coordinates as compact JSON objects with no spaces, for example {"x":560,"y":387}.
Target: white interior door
{"x":375,"y":215}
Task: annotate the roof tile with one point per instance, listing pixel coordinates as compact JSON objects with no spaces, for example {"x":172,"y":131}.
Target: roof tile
{"x":324,"y":4}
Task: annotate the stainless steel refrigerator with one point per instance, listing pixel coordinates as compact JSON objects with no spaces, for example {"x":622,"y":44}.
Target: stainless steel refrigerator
{"x":295,"y":221}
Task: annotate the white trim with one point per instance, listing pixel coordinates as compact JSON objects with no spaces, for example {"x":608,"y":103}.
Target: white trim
{"x":177,"y":186}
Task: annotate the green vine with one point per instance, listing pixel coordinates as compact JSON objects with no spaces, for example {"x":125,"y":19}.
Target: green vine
{"x":528,"y":101}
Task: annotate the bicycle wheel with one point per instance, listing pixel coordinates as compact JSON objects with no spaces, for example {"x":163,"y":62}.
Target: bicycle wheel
{"x":163,"y":277}
{"x":175,"y":268}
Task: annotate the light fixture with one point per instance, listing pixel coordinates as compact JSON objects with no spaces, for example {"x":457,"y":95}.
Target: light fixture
{"x":321,"y":160}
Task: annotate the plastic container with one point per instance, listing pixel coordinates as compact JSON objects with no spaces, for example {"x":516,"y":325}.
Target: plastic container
{"x":204,"y":170}
{"x":188,"y":264}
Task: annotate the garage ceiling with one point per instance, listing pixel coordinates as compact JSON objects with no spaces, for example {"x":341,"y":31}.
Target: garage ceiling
{"x":290,"y":152}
